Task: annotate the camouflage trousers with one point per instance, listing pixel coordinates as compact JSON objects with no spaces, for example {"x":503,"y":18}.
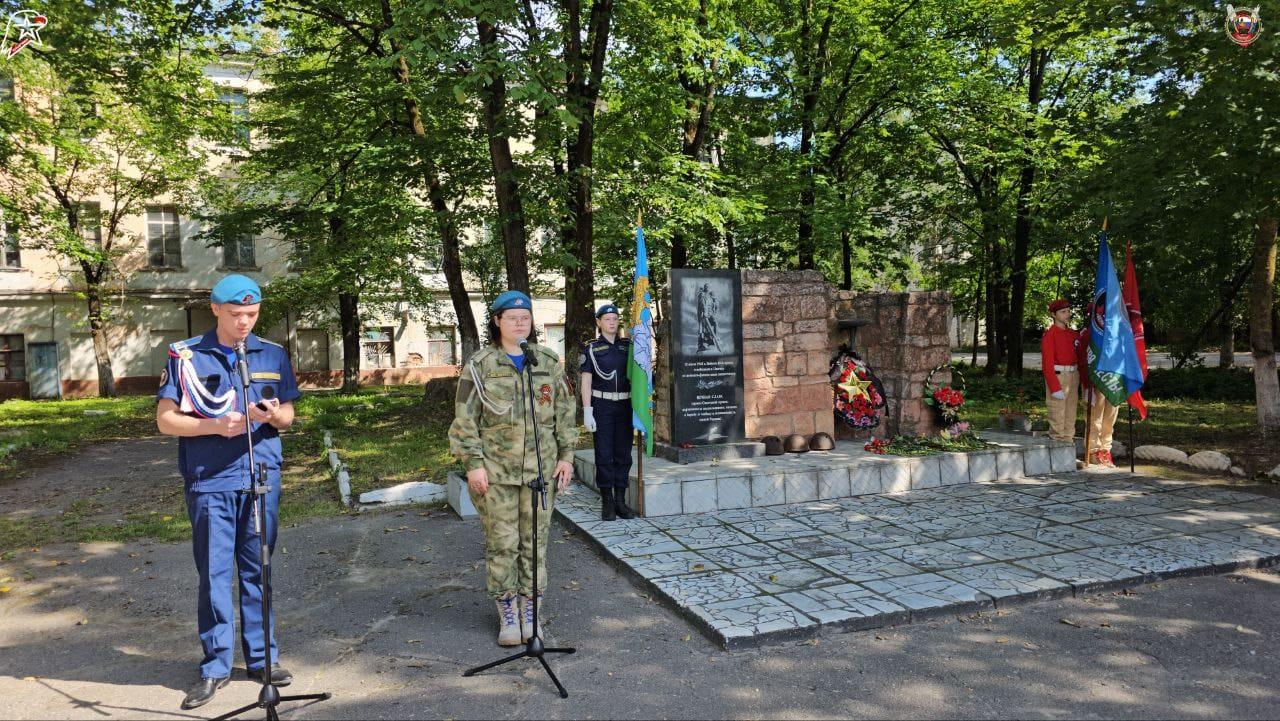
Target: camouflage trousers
{"x":507,"y":518}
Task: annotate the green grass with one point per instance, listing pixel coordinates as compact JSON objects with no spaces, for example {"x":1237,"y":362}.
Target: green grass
{"x":385,"y":435}
{"x":32,"y":429}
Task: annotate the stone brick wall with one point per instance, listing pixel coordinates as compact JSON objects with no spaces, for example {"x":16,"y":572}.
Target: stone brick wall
{"x":905,"y":338}
{"x":786,"y":353}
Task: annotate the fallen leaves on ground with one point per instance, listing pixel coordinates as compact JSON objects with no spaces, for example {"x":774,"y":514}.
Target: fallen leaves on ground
{"x":1069,"y":622}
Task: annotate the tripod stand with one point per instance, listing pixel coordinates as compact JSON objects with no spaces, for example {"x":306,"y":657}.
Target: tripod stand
{"x":269,"y":697}
{"x":534,"y":647}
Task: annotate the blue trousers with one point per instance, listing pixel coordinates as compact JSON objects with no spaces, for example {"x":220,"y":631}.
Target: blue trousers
{"x":224,"y":542}
{"x":613,"y":440}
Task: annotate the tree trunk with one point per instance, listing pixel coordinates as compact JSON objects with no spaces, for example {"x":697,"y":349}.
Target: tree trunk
{"x":582,"y":88}
{"x":809,"y":75}
{"x":1261,"y":300}
{"x":995,"y":285}
{"x":977,"y":312}
{"x":98,"y":331}
{"x":1226,"y":333}
{"x":506,"y":188}
{"x":446,"y":223}
{"x":1022,"y":226}
{"x":349,"y":320}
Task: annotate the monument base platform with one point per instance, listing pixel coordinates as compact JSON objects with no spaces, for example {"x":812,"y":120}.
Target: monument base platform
{"x":716,"y":452}
{"x":716,"y":485}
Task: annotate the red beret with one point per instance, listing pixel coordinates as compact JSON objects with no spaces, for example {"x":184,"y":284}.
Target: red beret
{"x":1058,"y":305}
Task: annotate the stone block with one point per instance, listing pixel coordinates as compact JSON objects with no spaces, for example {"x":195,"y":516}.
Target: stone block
{"x":811,"y":326}
{"x":802,"y":423}
{"x":662,"y":500}
{"x":833,"y":482}
{"x":768,"y":489}
{"x":763,"y":346}
{"x":797,"y":364}
{"x":801,"y":486}
{"x":698,"y":496}
{"x":1009,"y":463}
{"x":895,"y":475}
{"x":733,"y":492}
{"x":767,"y":425}
{"x":803,"y":342}
{"x":953,"y":468}
{"x":751,"y":331}
{"x":753,"y":366}
{"x":1062,"y":457}
{"x":411,"y":492}
{"x":864,"y":478}
{"x":1036,"y":462}
{"x":926,"y":472}
{"x":982,"y":467}
{"x":459,"y":497}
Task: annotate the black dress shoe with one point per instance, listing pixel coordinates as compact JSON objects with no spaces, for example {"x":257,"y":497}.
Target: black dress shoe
{"x":279,"y":676}
{"x":200,"y":694}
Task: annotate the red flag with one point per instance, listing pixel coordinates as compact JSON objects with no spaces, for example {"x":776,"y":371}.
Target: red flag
{"x":1135,"y":321}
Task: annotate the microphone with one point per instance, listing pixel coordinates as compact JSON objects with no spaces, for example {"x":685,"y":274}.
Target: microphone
{"x":242,"y":364}
{"x":529,"y":358}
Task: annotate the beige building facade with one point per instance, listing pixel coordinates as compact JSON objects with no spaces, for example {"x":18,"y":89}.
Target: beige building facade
{"x":162,"y":295}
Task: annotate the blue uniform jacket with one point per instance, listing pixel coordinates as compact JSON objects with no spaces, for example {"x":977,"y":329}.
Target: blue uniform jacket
{"x":214,"y":463}
{"x":607,"y":363}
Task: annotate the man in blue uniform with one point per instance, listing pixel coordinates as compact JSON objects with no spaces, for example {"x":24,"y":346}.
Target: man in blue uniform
{"x":200,"y":402}
{"x":606,"y":411}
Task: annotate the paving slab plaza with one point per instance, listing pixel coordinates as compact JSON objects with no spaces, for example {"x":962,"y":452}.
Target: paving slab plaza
{"x":764,"y":574}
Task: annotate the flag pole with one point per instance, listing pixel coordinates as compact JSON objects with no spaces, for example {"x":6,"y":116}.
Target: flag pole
{"x":639,"y":434}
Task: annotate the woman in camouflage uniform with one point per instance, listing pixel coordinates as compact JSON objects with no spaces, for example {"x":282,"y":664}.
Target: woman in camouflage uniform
{"x":492,"y":436}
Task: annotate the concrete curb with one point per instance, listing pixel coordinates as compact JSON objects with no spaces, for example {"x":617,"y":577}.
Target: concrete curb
{"x":339,"y":470}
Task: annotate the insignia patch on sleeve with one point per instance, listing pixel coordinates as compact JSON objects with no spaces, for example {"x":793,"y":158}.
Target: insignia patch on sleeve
{"x":164,"y":376}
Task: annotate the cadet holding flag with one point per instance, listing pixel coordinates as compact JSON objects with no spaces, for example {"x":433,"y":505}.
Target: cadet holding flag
{"x":493,"y":435}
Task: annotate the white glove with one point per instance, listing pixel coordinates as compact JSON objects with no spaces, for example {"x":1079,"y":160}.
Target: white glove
{"x":589,"y":419}
{"x":1060,"y":395}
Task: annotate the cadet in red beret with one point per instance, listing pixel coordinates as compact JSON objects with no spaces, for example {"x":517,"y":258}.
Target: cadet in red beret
{"x":1061,"y":374}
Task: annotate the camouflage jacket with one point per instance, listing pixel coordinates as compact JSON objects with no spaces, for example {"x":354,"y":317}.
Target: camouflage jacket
{"x":491,"y":417}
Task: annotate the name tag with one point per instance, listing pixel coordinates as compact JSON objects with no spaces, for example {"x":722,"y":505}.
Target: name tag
{"x":265,"y":376}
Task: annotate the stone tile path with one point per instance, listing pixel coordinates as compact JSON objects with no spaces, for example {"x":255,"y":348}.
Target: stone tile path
{"x":756,"y":575}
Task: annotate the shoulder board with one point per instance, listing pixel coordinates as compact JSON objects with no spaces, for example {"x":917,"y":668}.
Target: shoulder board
{"x":185,"y":343}
{"x":546,"y":351}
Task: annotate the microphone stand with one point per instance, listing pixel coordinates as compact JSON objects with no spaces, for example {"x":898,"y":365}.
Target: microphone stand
{"x":533,"y":647}
{"x":269,"y":697}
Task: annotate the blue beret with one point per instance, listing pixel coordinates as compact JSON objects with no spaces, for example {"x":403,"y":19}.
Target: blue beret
{"x":607,"y":308}
{"x":511,"y":299}
{"x":238,"y":289}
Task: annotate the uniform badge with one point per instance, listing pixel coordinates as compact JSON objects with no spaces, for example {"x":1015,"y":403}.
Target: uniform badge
{"x":185,"y":354}
{"x":544,"y":394}
{"x":1243,"y":25}
{"x":164,"y":376}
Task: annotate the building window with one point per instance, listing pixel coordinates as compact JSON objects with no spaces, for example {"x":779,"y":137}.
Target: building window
{"x":12,"y":255}
{"x":164,"y":238}
{"x":378,"y":347}
{"x":91,"y":223}
{"x":13,"y":358}
{"x":440,"y":347}
{"x":239,"y":106}
{"x":6,"y":89}
{"x":238,"y":252}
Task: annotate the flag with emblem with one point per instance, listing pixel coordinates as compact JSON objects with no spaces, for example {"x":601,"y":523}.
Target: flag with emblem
{"x":1114,"y":368}
{"x":640,"y":364}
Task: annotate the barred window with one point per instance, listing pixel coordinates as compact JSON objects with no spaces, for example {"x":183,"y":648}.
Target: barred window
{"x":11,"y":255}
{"x":13,"y":358}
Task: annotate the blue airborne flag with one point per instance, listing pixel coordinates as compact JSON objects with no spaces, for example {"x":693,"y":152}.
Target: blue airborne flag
{"x":1114,"y":368}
